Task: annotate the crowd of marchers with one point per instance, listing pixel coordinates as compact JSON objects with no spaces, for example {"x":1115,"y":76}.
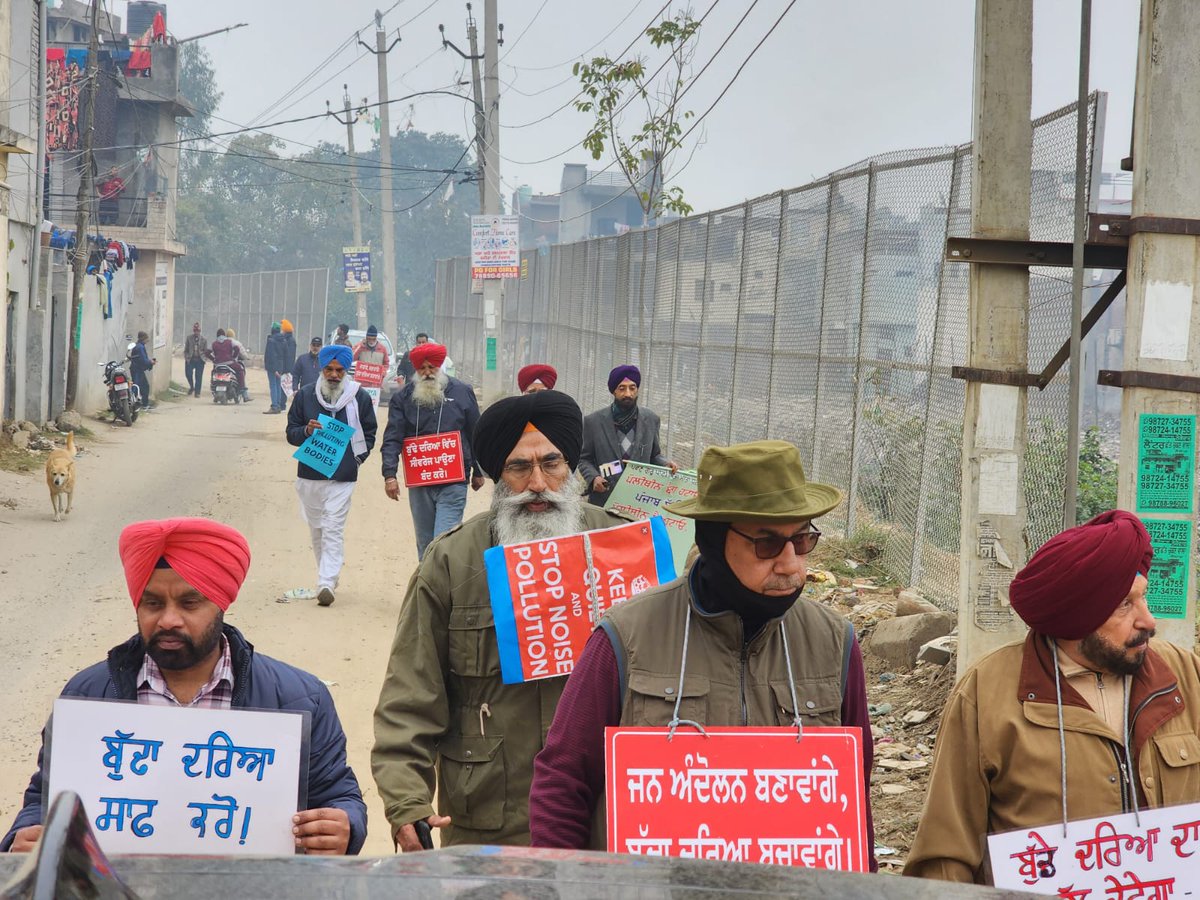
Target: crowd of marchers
{"x":1088,"y":716}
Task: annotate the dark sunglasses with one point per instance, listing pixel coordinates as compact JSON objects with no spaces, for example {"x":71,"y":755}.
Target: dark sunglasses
{"x":769,"y":547}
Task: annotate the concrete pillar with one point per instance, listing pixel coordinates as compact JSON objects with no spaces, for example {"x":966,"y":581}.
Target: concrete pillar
{"x":993,"y":504}
{"x":1162,"y":318}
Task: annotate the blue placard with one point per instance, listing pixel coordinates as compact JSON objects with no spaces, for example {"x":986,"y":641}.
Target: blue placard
{"x":356,"y":269}
{"x":324,"y":449}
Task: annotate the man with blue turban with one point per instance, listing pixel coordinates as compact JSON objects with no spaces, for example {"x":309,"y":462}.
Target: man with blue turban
{"x":619,"y":433}
{"x":325,"y":495}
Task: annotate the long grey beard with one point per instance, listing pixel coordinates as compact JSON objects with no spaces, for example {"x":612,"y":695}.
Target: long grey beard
{"x":330,"y":391}
{"x":430,"y":392}
{"x":514,"y":524}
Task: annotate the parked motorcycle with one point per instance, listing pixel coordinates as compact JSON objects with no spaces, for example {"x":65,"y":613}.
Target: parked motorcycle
{"x":224,"y":384}
{"x":124,"y":398}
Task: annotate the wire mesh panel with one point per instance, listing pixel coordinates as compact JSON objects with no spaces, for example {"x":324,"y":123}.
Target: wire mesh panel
{"x":824,"y":316}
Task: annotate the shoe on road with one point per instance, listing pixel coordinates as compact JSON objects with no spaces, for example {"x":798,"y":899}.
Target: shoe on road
{"x":271,"y":411}
{"x":325,"y":597}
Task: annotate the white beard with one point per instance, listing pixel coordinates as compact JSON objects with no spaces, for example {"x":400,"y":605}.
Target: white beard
{"x":514,"y":524}
{"x":429,"y":392}
{"x":329,"y":390}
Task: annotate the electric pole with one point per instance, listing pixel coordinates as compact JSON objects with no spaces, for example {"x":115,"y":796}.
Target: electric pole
{"x":480,"y":122}
{"x":387,"y":205}
{"x":355,"y":211}
{"x":493,"y":288}
{"x":994,"y":512}
{"x":83,"y":200}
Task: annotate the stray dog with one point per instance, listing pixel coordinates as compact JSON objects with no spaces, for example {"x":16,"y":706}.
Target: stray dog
{"x":60,"y":478}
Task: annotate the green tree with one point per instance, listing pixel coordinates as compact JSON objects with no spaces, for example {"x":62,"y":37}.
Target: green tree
{"x":1097,"y":478}
{"x":609,"y":87}
{"x":198,"y":84}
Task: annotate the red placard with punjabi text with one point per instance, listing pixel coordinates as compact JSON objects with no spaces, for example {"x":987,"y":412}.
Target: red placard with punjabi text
{"x":433,"y":459}
{"x":739,"y":794}
{"x":369,"y":374}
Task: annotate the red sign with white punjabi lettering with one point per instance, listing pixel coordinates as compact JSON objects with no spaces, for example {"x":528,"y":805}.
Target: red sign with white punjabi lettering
{"x":369,"y":374}
{"x":547,"y":596}
{"x":739,"y":794}
{"x":433,"y":459}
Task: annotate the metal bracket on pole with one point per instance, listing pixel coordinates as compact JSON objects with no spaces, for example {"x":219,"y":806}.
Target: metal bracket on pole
{"x":1118,"y":229}
{"x":994,"y":376}
{"x":996,"y":251}
{"x":1158,"y":381}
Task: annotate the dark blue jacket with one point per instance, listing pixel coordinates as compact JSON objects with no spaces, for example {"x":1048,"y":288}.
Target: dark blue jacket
{"x":259,"y":682}
{"x":459,"y":412}
{"x":305,"y":406}
{"x":275,"y":353}
{"x":306,"y":371}
{"x":139,"y":359}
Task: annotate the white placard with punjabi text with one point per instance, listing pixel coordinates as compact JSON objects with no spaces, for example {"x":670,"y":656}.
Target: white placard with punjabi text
{"x":1154,"y":855}
{"x":162,"y":779}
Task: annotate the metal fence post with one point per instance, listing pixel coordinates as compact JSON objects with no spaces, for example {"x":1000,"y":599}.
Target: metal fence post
{"x":779,"y":245}
{"x":852,"y":493}
{"x":817,"y":461}
{"x":737,"y":327}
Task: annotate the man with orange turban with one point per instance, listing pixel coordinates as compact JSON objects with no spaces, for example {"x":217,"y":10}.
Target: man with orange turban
{"x":432,"y":403}
{"x":183,"y":575}
{"x":1084,"y":718}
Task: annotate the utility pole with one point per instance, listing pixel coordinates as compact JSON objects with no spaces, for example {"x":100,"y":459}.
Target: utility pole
{"x":480,"y":122}
{"x":387,"y":205}
{"x":993,"y":516}
{"x":493,"y":288}
{"x":355,"y":211}
{"x":1162,"y":328}
{"x":83,"y":200}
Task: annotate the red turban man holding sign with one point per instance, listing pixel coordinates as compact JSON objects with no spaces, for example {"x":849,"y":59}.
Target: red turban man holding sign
{"x":183,"y":575}
{"x":1086,"y":686}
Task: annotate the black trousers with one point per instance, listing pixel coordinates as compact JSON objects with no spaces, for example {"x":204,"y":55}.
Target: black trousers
{"x":195,"y":375}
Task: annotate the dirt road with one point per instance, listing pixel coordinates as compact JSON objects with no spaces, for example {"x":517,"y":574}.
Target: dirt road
{"x":64,"y":602}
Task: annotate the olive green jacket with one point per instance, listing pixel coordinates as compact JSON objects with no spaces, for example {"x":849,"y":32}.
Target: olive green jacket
{"x":444,"y":708}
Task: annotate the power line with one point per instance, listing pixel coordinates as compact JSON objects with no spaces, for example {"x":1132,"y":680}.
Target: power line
{"x":559,"y":65}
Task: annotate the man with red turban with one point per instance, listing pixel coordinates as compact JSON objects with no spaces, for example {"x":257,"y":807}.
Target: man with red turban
{"x":1084,"y":718}
{"x":538,"y":377}
{"x":183,"y":575}
{"x":618,"y":434}
{"x":444,"y":411}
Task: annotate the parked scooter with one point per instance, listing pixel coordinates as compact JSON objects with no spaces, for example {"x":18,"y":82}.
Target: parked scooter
{"x":124,"y":398}
{"x":224,"y":384}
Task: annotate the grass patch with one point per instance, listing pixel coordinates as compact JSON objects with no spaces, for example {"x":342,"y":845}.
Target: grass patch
{"x":865,"y":547}
{"x":14,"y":460}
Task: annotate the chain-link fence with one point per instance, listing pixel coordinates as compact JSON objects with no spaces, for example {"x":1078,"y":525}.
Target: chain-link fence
{"x":250,"y":302}
{"x":824,"y":316}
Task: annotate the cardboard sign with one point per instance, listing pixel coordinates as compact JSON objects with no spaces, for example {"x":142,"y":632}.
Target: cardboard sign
{"x":434,"y":459}
{"x":1166,"y":464}
{"x":642,"y":493}
{"x":166,"y":779}
{"x":325,"y":447}
{"x":739,"y":794}
{"x":548,"y":596}
{"x":285,"y":382}
{"x":369,"y":374}
{"x":1102,"y":858}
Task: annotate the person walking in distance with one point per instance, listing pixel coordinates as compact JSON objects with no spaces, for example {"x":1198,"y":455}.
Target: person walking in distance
{"x":325,"y":501}
{"x":195,"y":348}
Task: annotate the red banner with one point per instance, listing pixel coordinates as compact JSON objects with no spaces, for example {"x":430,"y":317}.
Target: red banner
{"x":369,"y":374}
{"x":434,"y":459}
{"x":547,"y":596}
{"x":739,"y":794}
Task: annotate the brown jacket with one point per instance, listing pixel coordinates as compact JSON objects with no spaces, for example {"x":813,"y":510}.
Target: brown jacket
{"x":444,"y":708}
{"x":997,"y":762}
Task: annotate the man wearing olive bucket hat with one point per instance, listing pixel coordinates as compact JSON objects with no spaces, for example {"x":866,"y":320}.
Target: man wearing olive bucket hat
{"x":755,"y":652}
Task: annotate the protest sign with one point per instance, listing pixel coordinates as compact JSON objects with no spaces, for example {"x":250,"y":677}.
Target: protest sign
{"x":495,"y":247}
{"x":642,"y":492}
{"x":434,"y":459}
{"x":1166,"y":463}
{"x":739,"y":794}
{"x":356,"y":269}
{"x":369,"y":374}
{"x":285,"y":382}
{"x":547,"y":596}
{"x":326,"y":446}
{"x":1151,"y":854}
{"x":167,"y":779}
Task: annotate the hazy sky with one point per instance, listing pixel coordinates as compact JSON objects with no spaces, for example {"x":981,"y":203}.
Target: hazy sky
{"x":835,"y":82}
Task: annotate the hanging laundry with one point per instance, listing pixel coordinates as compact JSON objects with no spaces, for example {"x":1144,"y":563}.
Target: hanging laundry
{"x":55,"y":55}
{"x":139,"y":63}
{"x":78,"y":56}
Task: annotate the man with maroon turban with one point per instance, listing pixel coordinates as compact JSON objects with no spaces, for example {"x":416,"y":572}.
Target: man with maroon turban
{"x":1086,"y":717}
{"x":620,"y":433}
{"x":538,"y":377}
{"x":431,"y":403}
{"x":183,"y":575}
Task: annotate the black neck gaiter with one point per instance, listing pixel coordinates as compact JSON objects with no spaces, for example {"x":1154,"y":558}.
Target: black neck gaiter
{"x":719,"y":590}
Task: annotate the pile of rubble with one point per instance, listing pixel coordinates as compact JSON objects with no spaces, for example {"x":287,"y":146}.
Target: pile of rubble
{"x":909,"y":648}
{"x":25,"y":435}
